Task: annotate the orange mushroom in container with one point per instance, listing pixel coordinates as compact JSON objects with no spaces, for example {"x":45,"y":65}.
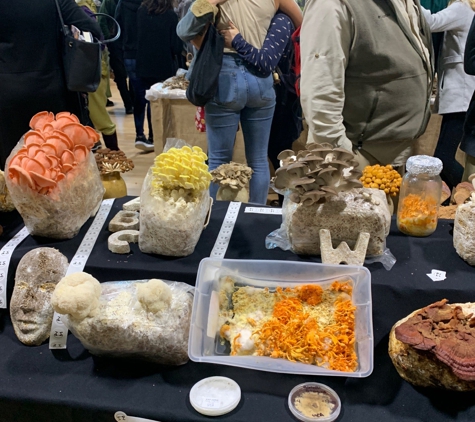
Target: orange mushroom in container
{"x":54,"y":147}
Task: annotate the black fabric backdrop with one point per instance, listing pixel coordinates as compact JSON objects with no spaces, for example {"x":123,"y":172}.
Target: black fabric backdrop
{"x":38,"y":385}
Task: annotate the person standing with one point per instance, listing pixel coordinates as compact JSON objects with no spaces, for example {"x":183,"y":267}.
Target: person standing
{"x":468,"y":140}
{"x":31,"y":72}
{"x":116,"y":54}
{"x":127,"y":18}
{"x":455,"y":87}
{"x":366,"y":76}
{"x":158,"y":48}
{"x":242,"y":96}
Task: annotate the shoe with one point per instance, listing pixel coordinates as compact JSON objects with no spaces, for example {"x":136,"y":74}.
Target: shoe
{"x":142,"y":143}
{"x":96,"y":146}
{"x":129,"y":110}
{"x":109,"y":103}
{"x":111,"y":141}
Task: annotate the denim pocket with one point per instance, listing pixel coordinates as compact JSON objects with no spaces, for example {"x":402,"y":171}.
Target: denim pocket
{"x":266,"y":87}
{"x":227,"y":88}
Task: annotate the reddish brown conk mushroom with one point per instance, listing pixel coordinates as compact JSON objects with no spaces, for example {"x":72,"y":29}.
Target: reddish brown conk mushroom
{"x":446,"y":332}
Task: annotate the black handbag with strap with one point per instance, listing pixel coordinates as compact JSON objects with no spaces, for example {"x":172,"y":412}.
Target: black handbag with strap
{"x":204,"y":76}
{"x":82,"y":59}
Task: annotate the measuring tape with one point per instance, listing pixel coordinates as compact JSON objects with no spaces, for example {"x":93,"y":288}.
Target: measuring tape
{"x":5,"y":256}
{"x":256,"y":210}
{"x":59,"y":333}
{"x":224,"y":236}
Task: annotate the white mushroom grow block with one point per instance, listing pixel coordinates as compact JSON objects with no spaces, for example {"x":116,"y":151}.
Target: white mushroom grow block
{"x":464,"y":231}
{"x":345,"y":215}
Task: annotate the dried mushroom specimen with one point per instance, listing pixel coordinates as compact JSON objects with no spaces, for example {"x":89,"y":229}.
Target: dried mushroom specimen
{"x":36,"y":277}
{"x":109,"y":161}
{"x":232,"y":175}
{"x":6,"y":203}
{"x":435,"y":346}
{"x":177,"y":82}
{"x":316,"y":173}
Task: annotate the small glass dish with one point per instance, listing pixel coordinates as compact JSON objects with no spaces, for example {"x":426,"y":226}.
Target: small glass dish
{"x":314,"y":402}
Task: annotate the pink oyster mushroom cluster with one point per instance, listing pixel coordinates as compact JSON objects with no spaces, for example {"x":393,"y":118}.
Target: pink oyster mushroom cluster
{"x":54,"y":147}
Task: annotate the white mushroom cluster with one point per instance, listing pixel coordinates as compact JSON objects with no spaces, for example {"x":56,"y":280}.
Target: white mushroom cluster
{"x":317,"y":172}
{"x":232,"y":175}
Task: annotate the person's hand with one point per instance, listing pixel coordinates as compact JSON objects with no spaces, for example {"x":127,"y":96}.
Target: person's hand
{"x":229,"y":34}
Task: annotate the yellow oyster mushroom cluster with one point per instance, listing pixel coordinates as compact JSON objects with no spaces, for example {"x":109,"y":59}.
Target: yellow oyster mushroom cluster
{"x":181,"y":168}
{"x":382,"y":177}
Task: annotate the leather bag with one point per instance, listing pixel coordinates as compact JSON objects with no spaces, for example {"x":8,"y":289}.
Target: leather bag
{"x":82,"y":59}
{"x":205,"y":74}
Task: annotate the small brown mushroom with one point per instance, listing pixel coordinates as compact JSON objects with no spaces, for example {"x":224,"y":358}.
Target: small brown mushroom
{"x":311,"y":197}
{"x":343,"y":154}
{"x":285,"y":154}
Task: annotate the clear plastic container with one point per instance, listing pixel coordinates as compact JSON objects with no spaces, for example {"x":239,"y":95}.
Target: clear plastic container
{"x":204,"y":329}
{"x":215,"y":396}
{"x":314,"y":402}
{"x":419,"y":197}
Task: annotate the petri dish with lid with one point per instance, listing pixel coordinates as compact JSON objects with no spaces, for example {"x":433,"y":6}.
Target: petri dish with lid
{"x":215,"y":396}
{"x":314,"y":402}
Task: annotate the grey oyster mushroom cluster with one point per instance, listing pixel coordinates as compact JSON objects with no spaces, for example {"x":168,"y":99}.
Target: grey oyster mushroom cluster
{"x":316,"y":173}
{"x":232,"y":175}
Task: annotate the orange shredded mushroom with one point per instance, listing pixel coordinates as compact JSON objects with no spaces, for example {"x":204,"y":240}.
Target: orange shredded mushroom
{"x":293,"y":333}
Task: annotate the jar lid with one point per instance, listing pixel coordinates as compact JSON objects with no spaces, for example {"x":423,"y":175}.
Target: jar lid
{"x":215,"y":396}
{"x":314,"y":402}
{"x":423,"y":164}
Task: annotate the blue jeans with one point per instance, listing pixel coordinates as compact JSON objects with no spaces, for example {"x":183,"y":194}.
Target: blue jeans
{"x":249,"y":99}
{"x":140,"y":103}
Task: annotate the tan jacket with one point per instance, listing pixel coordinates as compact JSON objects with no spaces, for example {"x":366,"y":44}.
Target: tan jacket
{"x":366,"y":76}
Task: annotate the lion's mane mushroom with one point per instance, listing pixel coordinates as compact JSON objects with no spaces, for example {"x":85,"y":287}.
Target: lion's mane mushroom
{"x":316,"y":173}
{"x":232,"y":175}
{"x":435,"y":346}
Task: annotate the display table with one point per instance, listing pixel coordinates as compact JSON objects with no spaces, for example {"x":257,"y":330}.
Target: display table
{"x":39,"y":385}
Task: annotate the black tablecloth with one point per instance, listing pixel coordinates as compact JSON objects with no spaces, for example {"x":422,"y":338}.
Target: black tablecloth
{"x":37,"y":384}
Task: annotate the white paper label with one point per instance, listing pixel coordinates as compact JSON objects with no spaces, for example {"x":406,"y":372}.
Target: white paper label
{"x":224,"y":236}
{"x":437,"y":275}
{"x":5,"y":256}
{"x":210,"y":403}
{"x":59,"y":333}
{"x":256,"y":210}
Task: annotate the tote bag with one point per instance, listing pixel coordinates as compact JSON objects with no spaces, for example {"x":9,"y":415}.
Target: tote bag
{"x":204,"y":77}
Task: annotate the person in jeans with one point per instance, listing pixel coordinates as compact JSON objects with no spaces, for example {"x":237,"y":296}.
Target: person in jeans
{"x":127,"y":18}
{"x":116,"y":55}
{"x":274,"y":57}
{"x":243,"y":96}
{"x":158,"y":48}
